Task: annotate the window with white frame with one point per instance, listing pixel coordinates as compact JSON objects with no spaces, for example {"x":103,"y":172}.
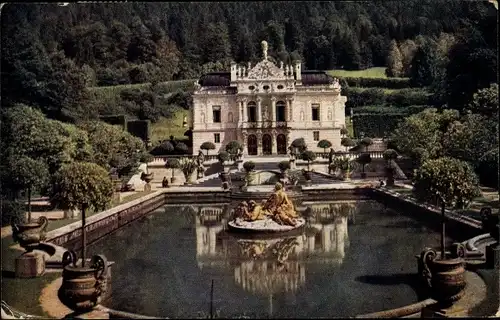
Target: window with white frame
{"x":216,"y":114}
{"x":216,"y":137}
{"x":315,"y":111}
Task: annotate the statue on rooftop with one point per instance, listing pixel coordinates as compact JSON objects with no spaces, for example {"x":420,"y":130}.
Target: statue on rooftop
{"x":264,"y":49}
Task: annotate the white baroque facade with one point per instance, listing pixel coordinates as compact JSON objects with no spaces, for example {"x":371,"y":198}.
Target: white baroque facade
{"x":266,"y":107}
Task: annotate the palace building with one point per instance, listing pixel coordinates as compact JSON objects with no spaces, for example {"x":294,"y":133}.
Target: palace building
{"x":266,"y":107}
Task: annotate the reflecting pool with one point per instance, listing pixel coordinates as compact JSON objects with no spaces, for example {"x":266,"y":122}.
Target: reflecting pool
{"x":354,"y":257}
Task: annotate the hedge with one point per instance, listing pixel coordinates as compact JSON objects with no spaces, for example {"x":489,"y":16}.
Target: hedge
{"x":376,"y":125}
{"x":359,"y":97}
{"x":389,"y":109}
{"x":388,"y":83}
{"x":140,"y":129}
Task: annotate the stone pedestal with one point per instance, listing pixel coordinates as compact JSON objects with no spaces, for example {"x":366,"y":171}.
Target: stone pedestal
{"x":292,"y":164}
{"x":29,"y":265}
{"x":147,"y":187}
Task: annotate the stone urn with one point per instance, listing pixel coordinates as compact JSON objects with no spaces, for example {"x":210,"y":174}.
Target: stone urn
{"x":490,"y":222}
{"x":82,"y":287}
{"x":347,"y":175}
{"x":445,"y":277}
{"x":29,"y":235}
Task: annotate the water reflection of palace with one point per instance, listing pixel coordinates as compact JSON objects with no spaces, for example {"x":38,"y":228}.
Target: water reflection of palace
{"x":267,"y":266}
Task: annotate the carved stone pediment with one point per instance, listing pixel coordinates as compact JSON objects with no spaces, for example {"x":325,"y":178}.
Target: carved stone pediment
{"x":265,"y":70}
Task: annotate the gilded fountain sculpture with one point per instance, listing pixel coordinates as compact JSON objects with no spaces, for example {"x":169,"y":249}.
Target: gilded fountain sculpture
{"x":276,"y":214}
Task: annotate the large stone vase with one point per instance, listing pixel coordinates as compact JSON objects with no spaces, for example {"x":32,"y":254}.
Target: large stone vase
{"x":444,"y":277}
{"x":82,"y":287}
{"x":29,"y":235}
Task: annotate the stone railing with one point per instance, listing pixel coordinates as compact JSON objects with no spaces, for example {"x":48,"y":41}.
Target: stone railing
{"x":350,"y":154}
{"x":209,"y":158}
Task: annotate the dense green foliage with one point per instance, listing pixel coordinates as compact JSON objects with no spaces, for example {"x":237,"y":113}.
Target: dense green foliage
{"x":207,"y":146}
{"x":471,"y":137}
{"x":51,"y":55}
{"x":446,"y":180}
{"x":249,"y":166}
{"x":81,"y":185}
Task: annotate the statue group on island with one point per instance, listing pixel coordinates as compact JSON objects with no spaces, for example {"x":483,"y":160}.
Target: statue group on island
{"x":277,"y":207}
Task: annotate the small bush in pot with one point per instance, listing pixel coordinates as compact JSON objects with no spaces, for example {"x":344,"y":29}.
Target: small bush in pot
{"x":173,"y":164}
{"x":363,"y":160}
{"x":308,"y":156}
{"x":284,"y":165}
{"x":207,"y":145}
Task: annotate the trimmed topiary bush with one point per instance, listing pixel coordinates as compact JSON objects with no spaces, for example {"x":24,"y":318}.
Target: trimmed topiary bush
{"x":207,"y":145}
{"x":223,"y":156}
{"x":249,"y":166}
{"x":324,"y":144}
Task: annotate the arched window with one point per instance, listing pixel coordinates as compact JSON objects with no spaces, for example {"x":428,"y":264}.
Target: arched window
{"x":280,"y":111}
{"x":252,"y":111}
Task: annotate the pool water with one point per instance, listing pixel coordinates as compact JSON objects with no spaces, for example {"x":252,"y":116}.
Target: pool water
{"x":354,"y":257}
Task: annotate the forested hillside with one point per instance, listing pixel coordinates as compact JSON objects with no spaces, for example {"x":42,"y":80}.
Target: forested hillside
{"x":50,"y":54}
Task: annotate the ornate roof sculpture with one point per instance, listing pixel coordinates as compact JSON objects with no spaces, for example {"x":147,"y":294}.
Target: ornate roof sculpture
{"x":267,"y":70}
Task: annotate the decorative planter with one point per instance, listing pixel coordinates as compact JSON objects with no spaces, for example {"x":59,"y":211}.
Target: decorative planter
{"x":82,"y":287}
{"x":446,"y":277}
{"x":173,"y":180}
{"x":252,"y":178}
{"x":29,"y":235}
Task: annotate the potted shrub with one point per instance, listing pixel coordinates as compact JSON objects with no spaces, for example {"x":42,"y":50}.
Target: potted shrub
{"x":347,"y":143}
{"x":298,"y":146}
{"x":390,"y":155}
{"x":251,"y":175}
{"x":28,"y":173}
{"x":324,"y":144}
{"x":451,"y":181}
{"x":188,"y":166}
{"x":363,"y":160}
{"x":365,"y":143}
{"x":84,"y":186}
{"x":173,"y":163}
{"x":207,"y":145}
{"x":308,"y":156}
{"x":223,"y":157}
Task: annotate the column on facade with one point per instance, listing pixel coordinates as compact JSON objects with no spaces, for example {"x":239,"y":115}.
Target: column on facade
{"x":273,"y":109}
{"x":259,"y":142}
{"x":289,"y":109}
{"x":274,"y":143}
{"x":259,"y":109}
{"x":244,"y":106}
{"x":240,"y":110}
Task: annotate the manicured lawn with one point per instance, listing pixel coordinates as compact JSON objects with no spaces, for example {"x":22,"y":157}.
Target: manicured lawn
{"x":165,"y":127}
{"x":378,"y":72}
